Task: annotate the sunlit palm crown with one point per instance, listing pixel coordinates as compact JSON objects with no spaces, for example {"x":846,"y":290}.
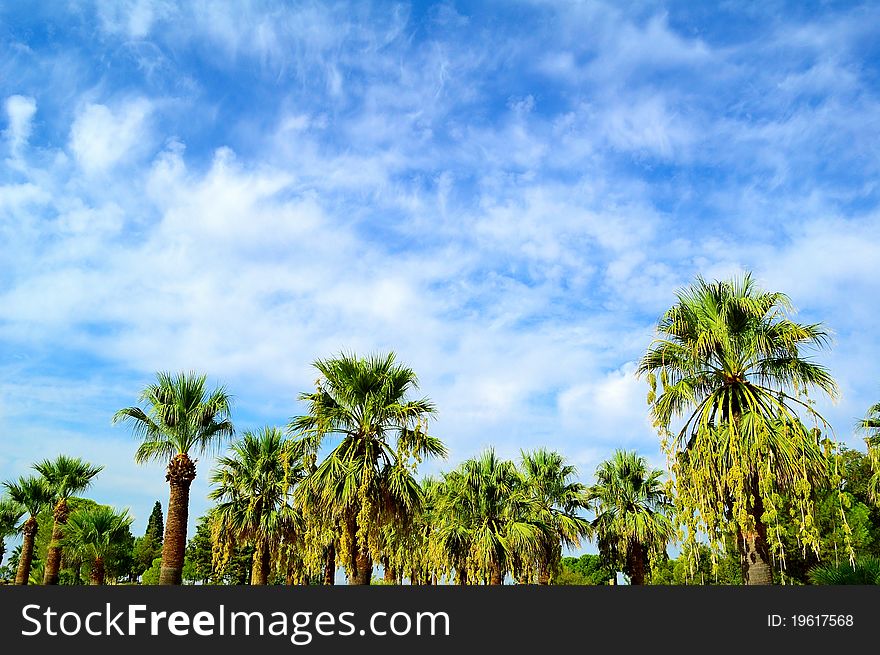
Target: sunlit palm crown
{"x":549,"y":479}
{"x":726,"y":348}
{"x":364,"y":401}
{"x":253,"y":485}
{"x":487,"y":502}
{"x":729,"y":358}
{"x":67,"y":476}
{"x":181,"y":417}
{"x":10,"y":514}
{"x":94,"y":530}
{"x":31,"y":493}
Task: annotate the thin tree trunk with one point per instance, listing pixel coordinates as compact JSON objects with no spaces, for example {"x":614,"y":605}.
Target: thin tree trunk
{"x":461,"y":575}
{"x":53,"y":556}
{"x":390,"y":575}
{"x":543,"y":573}
{"x":754,"y":550}
{"x":635,"y":564}
{"x":181,"y":473}
{"x":364,"y":572}
{"x":97,"y":575}
{"x":29,"y":530}
{"x":496,"y":577}
{"x":260,"y":566}
{"x":330,"y":566}
{"x":2,"y":550}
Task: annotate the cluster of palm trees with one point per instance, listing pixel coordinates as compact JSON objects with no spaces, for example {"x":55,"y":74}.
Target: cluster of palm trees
{"x":87,"y":533}
{"x":360,"y":504}
{"x":729,"y":380}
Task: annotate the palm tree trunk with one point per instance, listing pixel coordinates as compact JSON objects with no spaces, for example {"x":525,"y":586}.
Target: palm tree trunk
{"x":635,"y":564}
{"x":461,"y":575}
{"x":754,"y":550}
{"x":97,"y":575}
{"x":364,"y":571}
{"x":260,"y":566}
{"x":496,"y":577}
{"x":390,"y":576}
{"x":2,"y":550}
{"x":181,"y":473}
{"x":330,"y":566}
{"x":53,"y":556}
{"x":543,"y":574}
{"x":28,"y":530}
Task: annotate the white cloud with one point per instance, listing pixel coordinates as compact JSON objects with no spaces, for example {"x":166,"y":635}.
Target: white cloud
{"x":611,"y":408}
{"x":132,"y":18}
{"x":20,"y":111}
{"x":102,"y":137}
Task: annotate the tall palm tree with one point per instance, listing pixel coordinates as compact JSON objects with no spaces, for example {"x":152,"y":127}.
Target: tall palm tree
{"x":65,"y":476}
{"x":454,"y":523}
{"x":321,"y":531}
{"x":94,"y":531}
{"x":731,"y":364}
{"x":632,"y":521}
{"x":10,"y":514}
{"x":489,"y":506}
{"x":366,"y":480}
{"x":181,"y":417}
{"x":548,"y":478}
{"x":253,"y":486}
{"x":32,"y":494}
{"x":870,"y":426}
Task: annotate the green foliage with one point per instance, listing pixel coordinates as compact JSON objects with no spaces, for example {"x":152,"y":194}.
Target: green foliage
{"x":199,"y":563}
{"x":151,"y":575}
{"x":698,"y":567}
{"x":864,"y":571}
{"x":156,"y":526}
{"x":144,"y":551}
{"x":584,"y":570}
{"x":10,"y":515}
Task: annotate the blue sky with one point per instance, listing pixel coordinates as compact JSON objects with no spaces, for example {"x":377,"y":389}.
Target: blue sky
{"x":507,"y":194}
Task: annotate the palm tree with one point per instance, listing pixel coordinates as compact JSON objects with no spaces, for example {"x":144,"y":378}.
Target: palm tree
{"x":870,"y":425}
{"x":93,"y":532}
{"x":731,"y":364}
{"x":548,"y":479}
{"x":366,"y":480}
{"x":65,"y":477}
{"x":488,"y":503}
{"x":253,"y":486}
{"x":181,"y":417}
{"x":10,"y":514}
{"x":32,"y":494}
{"x":453,"y":525}
{"x":632,"y":522}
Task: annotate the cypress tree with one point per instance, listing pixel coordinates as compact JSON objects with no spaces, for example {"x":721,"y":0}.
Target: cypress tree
{"x":156,"y":525}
